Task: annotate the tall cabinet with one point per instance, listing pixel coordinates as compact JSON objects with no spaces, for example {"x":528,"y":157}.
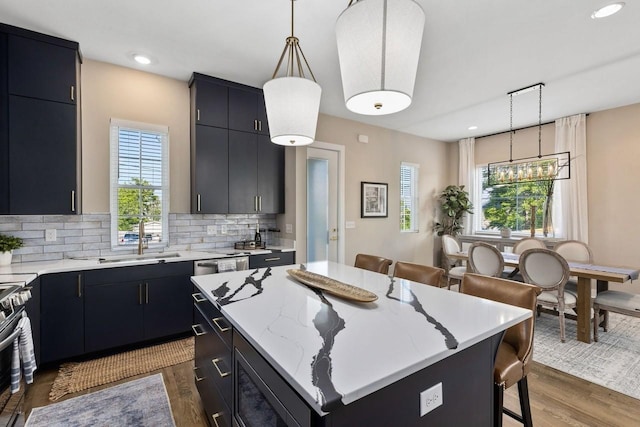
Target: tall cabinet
{"x":234,"y":166}
{"x":39,"y":123}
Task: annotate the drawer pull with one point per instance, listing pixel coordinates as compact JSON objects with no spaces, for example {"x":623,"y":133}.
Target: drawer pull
{"x":197,"y":297}
{"x":215,"y":418}
{"x":215,"y":363}
{"x":195,"y":374}
{"x":195,"y":331}
{"x":221,"y":328}
{"x":272,"y":259}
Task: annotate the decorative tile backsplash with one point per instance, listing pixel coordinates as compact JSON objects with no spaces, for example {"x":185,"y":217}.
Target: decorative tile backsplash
{"x":89,"y":235}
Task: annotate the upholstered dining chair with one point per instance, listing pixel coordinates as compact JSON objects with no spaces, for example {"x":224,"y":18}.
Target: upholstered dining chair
{"x":373,"y":263}
{"x":485,"y":259}
{"x":453,"y":269}
{"x":519,"y":247}
{"x":548,"y":270}
{"x":575,"y":251}
{"x":418,"y":273}
{"x":513,"y":358}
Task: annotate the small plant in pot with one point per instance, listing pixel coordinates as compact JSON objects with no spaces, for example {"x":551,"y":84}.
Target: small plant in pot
{"x":7,"y":245}
{"x":454,"y":203}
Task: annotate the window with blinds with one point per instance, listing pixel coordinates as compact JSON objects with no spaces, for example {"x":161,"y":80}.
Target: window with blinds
{"x":409,"y":197}
{"x":139,"y":183}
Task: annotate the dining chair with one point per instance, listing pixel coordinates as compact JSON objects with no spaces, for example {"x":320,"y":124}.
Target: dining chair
{"x":418,"y":273}
{"x":485,"y":259}
{"x":453,"y":269}
{"x":575,"y":251}
{"x":514,"y":355}
{"x":518,"y":248}
{"x":617,"y":301}
{"x":373,"y":263}
{"x":549,"y":271}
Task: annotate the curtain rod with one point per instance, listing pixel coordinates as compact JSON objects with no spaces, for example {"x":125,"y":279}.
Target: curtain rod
{"x":522,"y":128}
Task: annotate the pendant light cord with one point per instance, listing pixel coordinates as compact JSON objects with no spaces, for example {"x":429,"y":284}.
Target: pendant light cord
{"x":540,"y":122}
{"x":510,"y":127}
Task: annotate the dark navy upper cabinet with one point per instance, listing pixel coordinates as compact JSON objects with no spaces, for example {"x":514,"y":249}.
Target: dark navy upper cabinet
{"x":39,"y":123}
{"x":42,"y":70}
{"x":243,"y":173}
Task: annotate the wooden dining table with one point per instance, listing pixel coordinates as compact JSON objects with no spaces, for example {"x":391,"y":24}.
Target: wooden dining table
{"x":585,"y":273}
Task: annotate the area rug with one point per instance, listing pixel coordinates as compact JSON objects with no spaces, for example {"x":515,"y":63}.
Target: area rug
{"x":77,"y":376}
{"x":141,"y":402}
{"x":612,"y":362}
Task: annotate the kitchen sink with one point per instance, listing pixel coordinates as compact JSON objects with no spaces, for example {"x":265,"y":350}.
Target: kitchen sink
{"x":136,"y":257}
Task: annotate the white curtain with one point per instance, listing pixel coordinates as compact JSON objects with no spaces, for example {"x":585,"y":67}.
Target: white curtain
{"x":467,"y":176}
{"x":570,"y":218}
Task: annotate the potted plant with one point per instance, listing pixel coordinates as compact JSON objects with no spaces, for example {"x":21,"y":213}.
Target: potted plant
{"x":454,"y":203}
{"x":7,"y":245}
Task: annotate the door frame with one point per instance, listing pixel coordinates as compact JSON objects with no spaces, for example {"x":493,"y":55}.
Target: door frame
{"x":340,"y":149}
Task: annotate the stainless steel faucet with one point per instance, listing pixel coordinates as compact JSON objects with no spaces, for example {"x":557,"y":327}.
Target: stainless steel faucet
{"x":140,"y":237}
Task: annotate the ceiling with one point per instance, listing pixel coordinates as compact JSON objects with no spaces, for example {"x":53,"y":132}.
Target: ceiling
{"x":473,"y":52}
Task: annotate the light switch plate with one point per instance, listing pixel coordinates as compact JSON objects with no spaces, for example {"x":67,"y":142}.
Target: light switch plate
{"x":430,"y":399}
{"x":350,"y":224}
{"x":289,"y":228}
{"x":50,"y":235}
{"x":223,"y":229}
{"x":211,"y":230}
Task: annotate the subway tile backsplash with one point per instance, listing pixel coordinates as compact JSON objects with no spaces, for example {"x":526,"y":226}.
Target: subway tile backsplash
{"x":89,"y":235}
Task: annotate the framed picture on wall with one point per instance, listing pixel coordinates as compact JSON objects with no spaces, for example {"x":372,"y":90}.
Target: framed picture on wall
{"x":374,"y":200}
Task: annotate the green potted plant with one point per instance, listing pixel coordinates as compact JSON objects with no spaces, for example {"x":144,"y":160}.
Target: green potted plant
{"x":454,"y":203}
{"x":7,"y":245}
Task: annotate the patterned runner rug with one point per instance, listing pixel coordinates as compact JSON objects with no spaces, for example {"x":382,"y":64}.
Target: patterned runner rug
{"x":77,"y":376}
{"x":141,"y":402}
{"x":613,"y":361}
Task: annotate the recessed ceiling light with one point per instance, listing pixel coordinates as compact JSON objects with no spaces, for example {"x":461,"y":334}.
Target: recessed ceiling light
{"x":473,"y":127}
{"x":607,"y":10}
{"x":141,"y":59}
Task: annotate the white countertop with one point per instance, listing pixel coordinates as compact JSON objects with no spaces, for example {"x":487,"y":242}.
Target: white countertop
{"x":368,"y":345}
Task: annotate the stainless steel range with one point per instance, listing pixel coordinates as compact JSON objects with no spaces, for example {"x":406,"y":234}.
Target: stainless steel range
{"x":13,"y":296}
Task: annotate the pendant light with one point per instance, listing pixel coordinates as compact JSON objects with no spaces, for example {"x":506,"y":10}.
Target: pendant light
{"x":547,"y":167}
{"x":379,"y":47}
{"x":292,"y":101}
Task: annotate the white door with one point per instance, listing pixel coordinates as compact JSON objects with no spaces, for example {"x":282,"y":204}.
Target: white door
{"x":322,"y":205}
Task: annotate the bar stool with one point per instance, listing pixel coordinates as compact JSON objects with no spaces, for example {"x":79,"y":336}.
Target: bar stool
{"x":373,"y":263}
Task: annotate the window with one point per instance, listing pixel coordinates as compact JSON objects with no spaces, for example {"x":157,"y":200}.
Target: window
{"x":139,"y":183}
{"x":409,"y":197}
{"x":510,"y":205}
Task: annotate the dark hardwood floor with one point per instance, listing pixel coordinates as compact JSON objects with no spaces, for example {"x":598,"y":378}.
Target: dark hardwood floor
{"x":557,"y":399}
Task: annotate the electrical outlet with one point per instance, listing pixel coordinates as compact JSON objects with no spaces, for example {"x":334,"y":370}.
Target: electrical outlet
{"x":223,"y":229}
{"x":211,"y":230}
{"x":50,"y":235}
{"x":289,"y":228}
{"x":350,"y":224}
{"x":430,"y":399}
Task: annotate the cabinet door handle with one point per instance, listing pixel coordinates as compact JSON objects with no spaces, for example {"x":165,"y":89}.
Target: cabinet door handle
{"x":73,"y":95}
{"x":259,"y":203}
{"x":255,"y":125}
{"x":215,"y":363}
{"x":73,"y":200}
{"x":79,"y":285}
{"x":195,"y":374}
{"x":260,"y":125}
{"x":195,"y":331}
{"x":139,"y":293}
{"x":198,"y":203}
{"x":255,"y":203}
{"x":198,"y":115}
{"x":146,"y":293}
{"x":215,"y":418}
{"x":221,"y":328}
{"x":197,"y":297}
{"x":272,"y":259}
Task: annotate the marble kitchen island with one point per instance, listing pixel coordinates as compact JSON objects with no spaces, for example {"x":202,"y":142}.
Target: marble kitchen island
{"x":317,"y":359}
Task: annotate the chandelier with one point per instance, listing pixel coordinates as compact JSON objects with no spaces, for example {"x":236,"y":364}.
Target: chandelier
{"x":379,"y":48}
{"x":546,"y":167}
{"x":292,"y":101}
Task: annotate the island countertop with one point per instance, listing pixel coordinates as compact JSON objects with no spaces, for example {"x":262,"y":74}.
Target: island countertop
{"x":368,"y":345}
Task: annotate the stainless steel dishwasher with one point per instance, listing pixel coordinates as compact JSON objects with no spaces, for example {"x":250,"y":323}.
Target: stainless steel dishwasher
{"x":220,"y":265}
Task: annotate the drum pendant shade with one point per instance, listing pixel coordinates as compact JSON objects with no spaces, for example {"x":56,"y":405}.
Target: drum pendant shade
{"x":292,"y":106}
{"x":379,"y":45}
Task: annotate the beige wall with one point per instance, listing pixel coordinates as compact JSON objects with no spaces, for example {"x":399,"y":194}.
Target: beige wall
{"x":379,"y":161}
{"x":112,"y":91}
{"x":525,"y":144}
{"x":613,"y":151}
